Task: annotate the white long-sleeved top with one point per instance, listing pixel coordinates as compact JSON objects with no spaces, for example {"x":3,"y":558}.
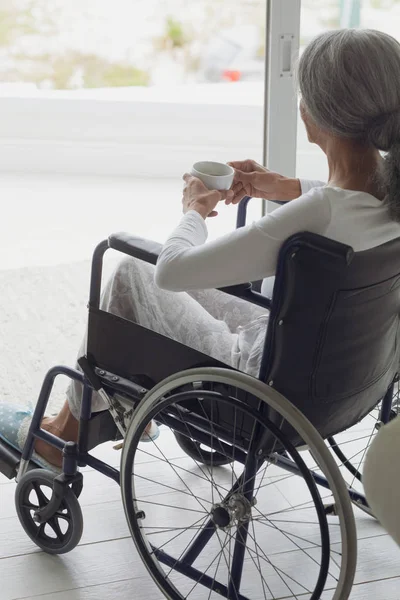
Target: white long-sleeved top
{"x":250,"y":253}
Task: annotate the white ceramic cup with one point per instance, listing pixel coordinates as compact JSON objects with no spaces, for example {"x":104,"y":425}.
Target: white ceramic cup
{"x":214,"y":175}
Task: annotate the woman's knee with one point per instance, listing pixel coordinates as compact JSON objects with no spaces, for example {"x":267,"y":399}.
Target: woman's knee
{"x":131,"y":269}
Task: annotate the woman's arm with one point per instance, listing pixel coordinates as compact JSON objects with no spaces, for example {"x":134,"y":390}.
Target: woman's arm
{"x":246,"y":254}
{"x":252,"y":179}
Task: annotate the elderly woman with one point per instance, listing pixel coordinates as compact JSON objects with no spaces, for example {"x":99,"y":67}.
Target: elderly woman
{"x":350,"y":104}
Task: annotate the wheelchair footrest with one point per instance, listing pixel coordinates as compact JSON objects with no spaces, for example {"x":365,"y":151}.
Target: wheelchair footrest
{"x":10,"y":459}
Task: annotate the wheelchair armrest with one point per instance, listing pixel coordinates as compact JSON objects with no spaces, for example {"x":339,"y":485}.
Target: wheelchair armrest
{"x":245,"y":291}
{"x":149,"y":251}
{"x":135,"y":246}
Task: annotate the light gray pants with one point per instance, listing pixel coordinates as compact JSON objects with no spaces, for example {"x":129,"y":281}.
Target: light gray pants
{"x":222,"y":326}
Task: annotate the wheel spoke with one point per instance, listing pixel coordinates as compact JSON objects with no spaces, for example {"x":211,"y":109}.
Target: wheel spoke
{"x":215,"y":575}
{"x":228,"y":564}
{"x":286,"y":536}
{"x":364,"y":437}
{"x":141,"y":501}
{"x":201,"y":466}
{"x":174,"y":489}
{"x":202,"y":522}
{"x":168,"y":462}
{"x":313,"y":544}
{"x":181,"y":478}
{"x":280,"y":572}
{"x":213,"y":435}
{"x":42,"y":499}
{"x":276,"y":481}
{"x":219,"y":553}
{"x":302,"y":506}
{"x":40,"y":530}
{"x":183,"y":551}
{"x":362,"y":457}
{"x":53,"y":523}
{"x":169,"y":529}
{"x":268,"y":463}
{"x":259,"y":565}
{"x":65,"y":516}
{"x":260,"y":520}
{"x":267,"y":560}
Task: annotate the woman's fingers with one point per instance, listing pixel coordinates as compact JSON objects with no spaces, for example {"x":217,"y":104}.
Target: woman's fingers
{"x":237,"y":164}
{"x":227,"y":195}
{"x":238,"y":192}
{"x":243,"y":165}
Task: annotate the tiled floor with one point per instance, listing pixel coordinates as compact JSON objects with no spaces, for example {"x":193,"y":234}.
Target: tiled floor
{"x":106,"y":564}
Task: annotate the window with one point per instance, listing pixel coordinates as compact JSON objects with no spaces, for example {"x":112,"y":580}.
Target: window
{"x":383,"y":15}
{"x":94,"y":86}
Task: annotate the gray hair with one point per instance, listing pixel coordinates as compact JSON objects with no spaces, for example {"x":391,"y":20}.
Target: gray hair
{"x":349,"y":81}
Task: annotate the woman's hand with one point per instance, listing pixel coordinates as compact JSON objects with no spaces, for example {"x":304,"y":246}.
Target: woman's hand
{"x":251,"y":179}
{"x":199,"y":198}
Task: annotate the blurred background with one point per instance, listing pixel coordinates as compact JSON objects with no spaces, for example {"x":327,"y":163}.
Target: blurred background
{"x":52,"y":44}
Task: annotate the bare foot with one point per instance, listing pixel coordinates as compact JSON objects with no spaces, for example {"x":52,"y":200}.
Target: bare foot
{"x":64,"y":426}
{"x":49,"y":453}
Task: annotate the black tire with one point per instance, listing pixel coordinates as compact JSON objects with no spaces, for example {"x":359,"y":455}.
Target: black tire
{"x":199,"y":454}
{"x":51,"y":537}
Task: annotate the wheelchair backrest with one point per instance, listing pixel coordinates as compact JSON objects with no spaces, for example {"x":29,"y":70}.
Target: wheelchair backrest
{"x":332,"y":344}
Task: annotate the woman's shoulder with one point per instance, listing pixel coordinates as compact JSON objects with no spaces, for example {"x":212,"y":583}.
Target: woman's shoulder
{"x":316,"y":198}
{"x":309,"y":212}
{"x":347,"y":202}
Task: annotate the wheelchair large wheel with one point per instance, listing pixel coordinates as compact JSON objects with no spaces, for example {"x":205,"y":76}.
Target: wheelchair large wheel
{"x":257,"y":528}
{"x":63,"y":530}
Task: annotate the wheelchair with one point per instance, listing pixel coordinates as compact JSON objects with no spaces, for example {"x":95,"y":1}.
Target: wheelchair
{"x":240,"y":497}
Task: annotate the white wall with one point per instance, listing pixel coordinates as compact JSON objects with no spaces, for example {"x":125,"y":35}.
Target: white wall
{"x":132,"y":136}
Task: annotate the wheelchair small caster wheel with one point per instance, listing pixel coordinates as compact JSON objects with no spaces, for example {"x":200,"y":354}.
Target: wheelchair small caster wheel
{"x":63,"y":530}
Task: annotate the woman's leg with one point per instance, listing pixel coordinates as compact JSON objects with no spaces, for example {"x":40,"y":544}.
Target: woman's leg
{"x":235,"y":312}
{"x":132,"y":294}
